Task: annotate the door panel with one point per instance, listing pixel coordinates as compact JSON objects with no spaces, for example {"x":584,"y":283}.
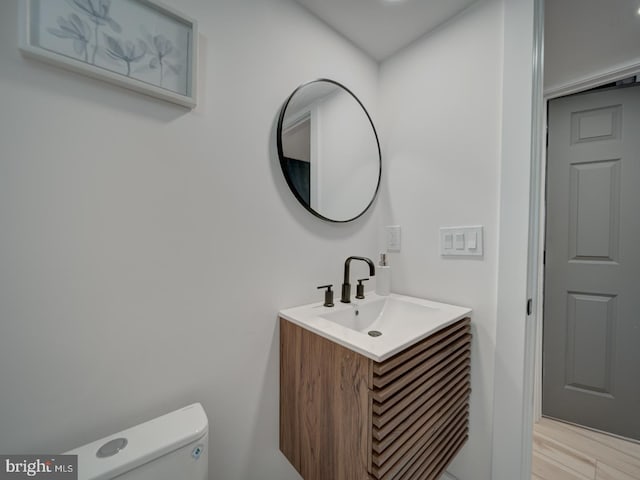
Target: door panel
{"x":590,"y":327}
{"x":591,"y":339}
{"x":594,"y":210}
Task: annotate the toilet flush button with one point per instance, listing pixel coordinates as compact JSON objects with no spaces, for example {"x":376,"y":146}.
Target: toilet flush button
{"x":109,"y":449}
{"x":197,"y":451}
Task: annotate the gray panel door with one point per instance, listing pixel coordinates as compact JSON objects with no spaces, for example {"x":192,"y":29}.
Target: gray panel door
{"x":591,"y":342}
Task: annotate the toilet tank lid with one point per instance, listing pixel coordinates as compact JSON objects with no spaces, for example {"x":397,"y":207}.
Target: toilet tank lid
{"x":145,"y":442}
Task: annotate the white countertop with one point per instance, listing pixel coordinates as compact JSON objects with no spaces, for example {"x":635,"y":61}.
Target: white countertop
{"x":402,"y":320}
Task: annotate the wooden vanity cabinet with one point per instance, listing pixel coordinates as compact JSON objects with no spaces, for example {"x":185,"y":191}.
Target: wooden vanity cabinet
{"x":344,"y":416}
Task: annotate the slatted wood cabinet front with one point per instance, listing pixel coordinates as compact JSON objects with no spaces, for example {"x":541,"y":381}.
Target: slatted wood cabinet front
{"x":344,"y":416}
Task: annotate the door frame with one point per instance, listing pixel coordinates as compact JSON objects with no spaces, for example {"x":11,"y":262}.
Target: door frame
{"x":538,"y":220}
{"x":514,"y":360}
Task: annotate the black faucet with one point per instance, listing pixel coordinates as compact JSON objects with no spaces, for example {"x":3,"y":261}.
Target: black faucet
{"x":346,"y":286}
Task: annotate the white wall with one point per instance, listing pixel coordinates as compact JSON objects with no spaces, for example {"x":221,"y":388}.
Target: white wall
{"x":441,"y":111}
{"x":586,"y":37}
{"x":145,"y":249}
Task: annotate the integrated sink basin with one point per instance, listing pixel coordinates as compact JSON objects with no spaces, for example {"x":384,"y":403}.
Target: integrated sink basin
{"x":381,"y":314}
{"x":377,"y":327}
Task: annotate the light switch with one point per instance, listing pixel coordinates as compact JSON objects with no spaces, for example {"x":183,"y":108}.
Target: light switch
{"x":472,"y":241}
{"x":448,"y":241}
{"x":461,"y":241}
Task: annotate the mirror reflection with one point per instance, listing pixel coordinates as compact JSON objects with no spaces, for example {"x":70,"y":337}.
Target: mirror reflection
{"x":329,"y":151}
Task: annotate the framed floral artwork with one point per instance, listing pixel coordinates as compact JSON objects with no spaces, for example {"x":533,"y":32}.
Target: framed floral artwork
{"x":137,"y":44}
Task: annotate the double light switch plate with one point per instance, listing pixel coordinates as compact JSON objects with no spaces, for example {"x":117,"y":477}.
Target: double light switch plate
{"x":461,"y":241}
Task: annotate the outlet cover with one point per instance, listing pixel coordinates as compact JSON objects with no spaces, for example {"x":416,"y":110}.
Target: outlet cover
{"x":393,"y":238}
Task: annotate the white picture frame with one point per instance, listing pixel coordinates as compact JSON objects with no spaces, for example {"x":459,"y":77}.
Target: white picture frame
{"x":141,"y":45}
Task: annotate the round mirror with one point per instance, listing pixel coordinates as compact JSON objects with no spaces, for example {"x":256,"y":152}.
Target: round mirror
{"x":329,"y":151}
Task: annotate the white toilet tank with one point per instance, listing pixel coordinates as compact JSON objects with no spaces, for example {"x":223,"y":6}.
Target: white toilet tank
{"x":174,"y":446}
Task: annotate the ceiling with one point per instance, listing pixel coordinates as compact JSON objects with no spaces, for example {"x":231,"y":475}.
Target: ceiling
{"x":382,"y":27}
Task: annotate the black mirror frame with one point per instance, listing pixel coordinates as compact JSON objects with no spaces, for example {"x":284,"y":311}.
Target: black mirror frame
{"x":282,"y":158}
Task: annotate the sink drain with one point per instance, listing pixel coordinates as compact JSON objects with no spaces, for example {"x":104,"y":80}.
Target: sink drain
{"x":374,"y":333}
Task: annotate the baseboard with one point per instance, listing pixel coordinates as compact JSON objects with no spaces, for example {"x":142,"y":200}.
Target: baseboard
{"x":447,"y":476}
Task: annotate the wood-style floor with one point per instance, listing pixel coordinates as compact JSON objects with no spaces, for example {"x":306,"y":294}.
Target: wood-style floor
{"x":567,"y":452}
